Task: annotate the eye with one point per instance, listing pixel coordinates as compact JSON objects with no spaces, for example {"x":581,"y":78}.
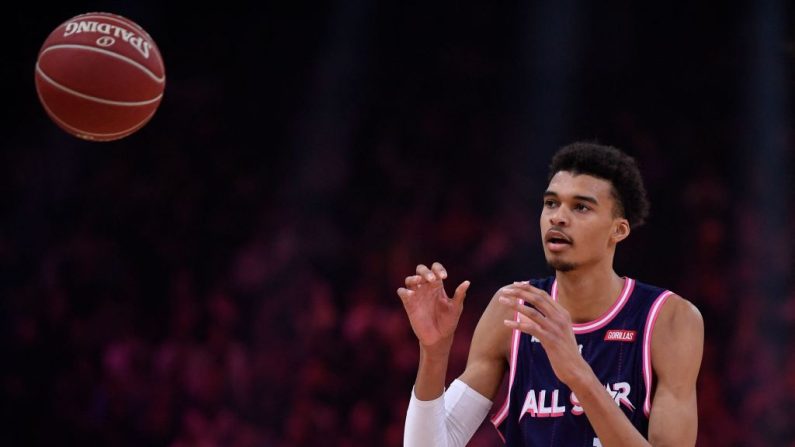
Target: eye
{"x":581,"y":208}
{"x":549,"y":203}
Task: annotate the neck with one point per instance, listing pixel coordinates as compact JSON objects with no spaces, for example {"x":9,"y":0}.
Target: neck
{"x":587,"y":293}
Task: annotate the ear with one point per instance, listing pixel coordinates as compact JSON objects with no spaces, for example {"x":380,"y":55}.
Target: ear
{"x":620,"y":230}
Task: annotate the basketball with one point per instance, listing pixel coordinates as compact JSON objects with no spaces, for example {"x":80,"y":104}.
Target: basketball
{"x":100,"y":76}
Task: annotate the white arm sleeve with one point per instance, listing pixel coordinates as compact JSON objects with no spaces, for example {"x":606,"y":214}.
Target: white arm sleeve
{"x":447,"y":421}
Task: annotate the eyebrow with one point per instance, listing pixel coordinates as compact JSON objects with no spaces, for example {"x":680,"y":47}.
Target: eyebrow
{"x":589,"y":199}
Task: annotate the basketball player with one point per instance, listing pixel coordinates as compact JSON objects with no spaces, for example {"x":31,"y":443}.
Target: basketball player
{"x":593,"y":358}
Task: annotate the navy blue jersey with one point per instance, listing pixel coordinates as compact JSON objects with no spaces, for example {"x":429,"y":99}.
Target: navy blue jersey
{"x":542,"y":411}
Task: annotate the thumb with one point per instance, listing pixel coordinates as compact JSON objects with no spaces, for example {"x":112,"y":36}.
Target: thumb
{"x":461,"y":292}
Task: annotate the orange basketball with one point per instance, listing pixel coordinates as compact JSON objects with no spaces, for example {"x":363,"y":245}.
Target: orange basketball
{"x":100,"y":76}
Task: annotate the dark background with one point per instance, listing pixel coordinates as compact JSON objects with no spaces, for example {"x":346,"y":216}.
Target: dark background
{"x":226,"y":276}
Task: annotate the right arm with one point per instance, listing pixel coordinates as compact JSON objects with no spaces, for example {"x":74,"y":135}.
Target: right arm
{"x":431,"y":418}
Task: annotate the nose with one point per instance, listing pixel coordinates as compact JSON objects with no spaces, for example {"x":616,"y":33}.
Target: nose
{"x":559,"y":217}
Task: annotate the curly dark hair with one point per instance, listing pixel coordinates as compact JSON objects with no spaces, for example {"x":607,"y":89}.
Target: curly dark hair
{"x":613,"y":165}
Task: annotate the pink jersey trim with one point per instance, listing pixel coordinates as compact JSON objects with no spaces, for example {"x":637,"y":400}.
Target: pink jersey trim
{"x":503,"y":413}
{"x":647,"y":333}
{"x":623,"y":297}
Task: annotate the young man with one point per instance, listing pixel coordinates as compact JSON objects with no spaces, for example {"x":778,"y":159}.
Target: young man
{"x":594,"y":359}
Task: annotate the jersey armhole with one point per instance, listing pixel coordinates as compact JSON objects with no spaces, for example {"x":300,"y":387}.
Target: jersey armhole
{"x":648,"y":331}
{"x":502,"y":414}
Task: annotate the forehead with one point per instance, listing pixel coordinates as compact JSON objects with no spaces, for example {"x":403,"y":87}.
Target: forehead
{"x":564,"y":183}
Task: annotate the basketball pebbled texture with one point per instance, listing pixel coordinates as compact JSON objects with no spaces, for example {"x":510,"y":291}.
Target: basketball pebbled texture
{"x":100,"y":76}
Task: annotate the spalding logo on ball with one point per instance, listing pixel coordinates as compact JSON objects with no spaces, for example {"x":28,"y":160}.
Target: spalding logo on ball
{"x":100,"y":76}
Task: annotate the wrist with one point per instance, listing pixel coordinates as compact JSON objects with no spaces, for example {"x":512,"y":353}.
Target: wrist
{"x":432,"y":371}
{"x":437,"y":351}
{"x":582,"y":379}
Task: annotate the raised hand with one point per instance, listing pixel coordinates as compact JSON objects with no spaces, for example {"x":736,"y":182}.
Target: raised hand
{"x":432,"y":314}
{"x":548,"y":321}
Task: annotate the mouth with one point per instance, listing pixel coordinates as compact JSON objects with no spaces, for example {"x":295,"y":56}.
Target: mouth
{"x":557,"y":241}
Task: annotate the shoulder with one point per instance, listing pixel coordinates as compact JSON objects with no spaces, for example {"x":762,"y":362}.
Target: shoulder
{"x":678,"y":314}
{"x":668,"y":308}
{"x":678,"y":337}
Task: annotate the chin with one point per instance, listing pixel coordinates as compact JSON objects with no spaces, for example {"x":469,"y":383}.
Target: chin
{"x":560,"y":265}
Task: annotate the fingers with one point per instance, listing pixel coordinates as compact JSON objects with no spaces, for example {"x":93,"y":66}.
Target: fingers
{"x":425,"y":273}
{"x":413,"y":281}
{"x":439,"y":271}
{"x":539,"y":317}
{"x":461,"y":292}
{"x":525,"y":312}
{"x":525,"y":325}
{"x":436,"y":272}
{"x":540,"y":299}
{"x":404,"y":294}
{"x":530,"y":320}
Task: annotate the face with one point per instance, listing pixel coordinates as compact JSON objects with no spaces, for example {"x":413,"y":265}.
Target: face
{"x":579,"y":226}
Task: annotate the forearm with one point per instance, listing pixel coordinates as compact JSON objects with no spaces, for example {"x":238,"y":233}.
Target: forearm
{"x":447,"y":421}
{"x":432,"y":371}
{"x":611,"y":425}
